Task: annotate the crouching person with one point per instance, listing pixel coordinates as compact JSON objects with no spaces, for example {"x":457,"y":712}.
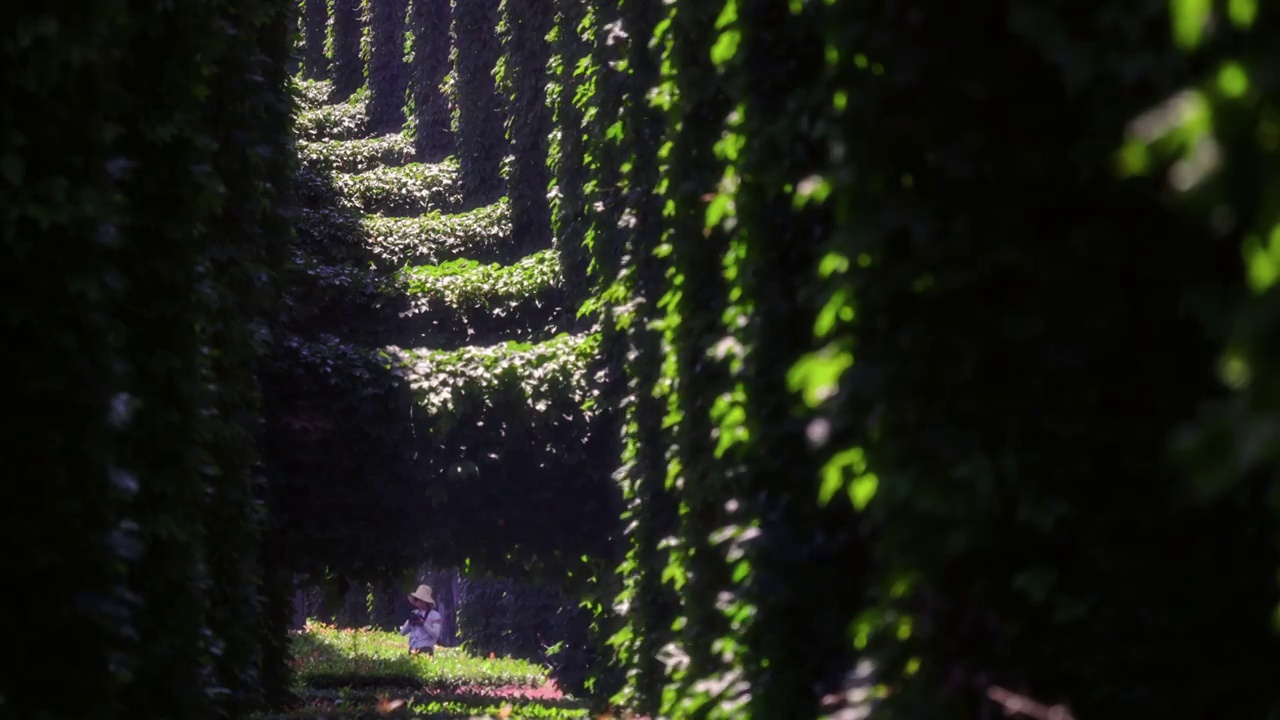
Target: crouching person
{"x":424,"y":623}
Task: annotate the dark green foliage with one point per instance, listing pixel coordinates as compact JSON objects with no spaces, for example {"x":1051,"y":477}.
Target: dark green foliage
{"x":603,"y":151}
{"x":527,"y":52}
{"x":600,"y":98}
{"x":326,"y":385}
{"x":1043,"y":546}
{"x":481,"y":145}
{"x":797,"y":601}
{"x":348,"y":68}
{"x":429,"y":22}
{"x":143,"y":257}
{"x":315,"y":20}
{"x":327,"y":389}
{"x":63,"y":353}
{"x":388,"y":72}
{"x":273,"y":621}
{"x":506,"y":430}
{"x":170,"y":187}
{"x":250,"y":232}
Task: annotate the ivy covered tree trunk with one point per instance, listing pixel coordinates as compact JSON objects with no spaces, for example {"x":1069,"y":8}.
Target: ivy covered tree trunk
{"x":231,"y":532}
{"x":528,"y":119}
{"x":605,"y":241}
{"x":315,"y":27}
{"x":167,"y":277}
{"x":799,"y":543}
{"x":568,"y":164}
{"x":481,"y":144}
{"x":699,"y":246}
{"x":66,"y":540}
{"x":388,"y":72}
{"x":429,"y":20}
{"x":272,"y":627}
{"x":250,"y":236}
{"x":652,"y":602}
{"x":348,"y":67}
{"x":171,"y":188}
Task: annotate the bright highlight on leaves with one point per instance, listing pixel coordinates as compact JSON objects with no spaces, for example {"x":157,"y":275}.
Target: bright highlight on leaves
{"x":1190,"y":19}
{"x":817,"y":375}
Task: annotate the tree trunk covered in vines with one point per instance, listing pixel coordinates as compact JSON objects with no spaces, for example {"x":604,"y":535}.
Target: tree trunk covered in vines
{"x":429,"y":20}
{"x":170,"y":188}
{"x":643,"y":127}
{"x":604,"y":198}
{"x":568,"y":219}
{"x":604,"y":205}
{"x":481,"y":145}
{"x":529,"y":120}
{"x":348,"y":67}
{"x":143,"y":526}
{"x":388,"y":72}
{"x":698,"y":251}
{"x":250,"y":114}
{"x":63,"y":351}
{"x":315,"y":27}
{"x":792,"y":558}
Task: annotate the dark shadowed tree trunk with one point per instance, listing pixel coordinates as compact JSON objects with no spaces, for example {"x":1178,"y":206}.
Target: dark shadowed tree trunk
{"x":348,"y":68}
{"x":315,"y":19}
{"x":529,"y":120}
{"x":388,"y":72}
{"x":481,"y":144}
{"x":429,"y":20}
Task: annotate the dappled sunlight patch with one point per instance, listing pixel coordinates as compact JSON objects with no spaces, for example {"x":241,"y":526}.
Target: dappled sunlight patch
{"x":353,"y":156}
{"x":364,"y":673}
{"x":467,"y":284}
{"x":543,"y":374}
{"x":312,"y":94}
{"x":344,"y":121}
{"x":402,"y":191}
{"x":326,"y":656}
{"x":436,"y":237}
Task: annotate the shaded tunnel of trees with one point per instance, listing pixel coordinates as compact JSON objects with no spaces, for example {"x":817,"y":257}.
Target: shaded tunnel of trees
{"x":842,"y":358}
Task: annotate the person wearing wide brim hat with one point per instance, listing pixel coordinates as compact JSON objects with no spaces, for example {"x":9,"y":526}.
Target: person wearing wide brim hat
{"x":422,"y":594}
{"x":424,"y":623}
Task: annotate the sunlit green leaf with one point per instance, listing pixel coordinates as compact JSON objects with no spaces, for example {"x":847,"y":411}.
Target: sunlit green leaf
{"x":1190,"y":19}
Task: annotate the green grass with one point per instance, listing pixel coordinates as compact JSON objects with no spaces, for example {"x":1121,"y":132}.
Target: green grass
{"x":365,"y":674}
{"x":325,"y":656}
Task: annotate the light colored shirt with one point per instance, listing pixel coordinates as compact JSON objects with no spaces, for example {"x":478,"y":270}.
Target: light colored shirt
{"x":425,"y":634}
